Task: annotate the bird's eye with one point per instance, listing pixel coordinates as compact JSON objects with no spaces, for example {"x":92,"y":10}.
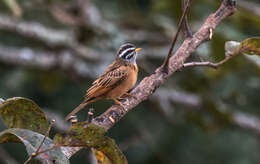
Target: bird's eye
{"x":130,"y":55}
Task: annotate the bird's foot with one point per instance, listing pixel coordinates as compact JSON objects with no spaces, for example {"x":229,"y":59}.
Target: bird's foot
{"x":119,"y":103}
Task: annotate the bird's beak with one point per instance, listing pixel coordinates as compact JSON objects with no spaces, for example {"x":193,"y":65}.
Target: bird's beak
{"x":137,"y":49}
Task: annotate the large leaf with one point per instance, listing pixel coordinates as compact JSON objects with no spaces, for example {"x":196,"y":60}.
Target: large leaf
{"x":90,"y":135}
{"x":23,"y":113}
{"x":32,"y":140}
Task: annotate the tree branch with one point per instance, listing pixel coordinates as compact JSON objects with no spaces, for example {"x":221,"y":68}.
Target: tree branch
{"x":246,"y":121}
{"x":48,"y":36}
{"x":47,"y":60}
{"x":149,"y":84}
{"x":207,"y":63}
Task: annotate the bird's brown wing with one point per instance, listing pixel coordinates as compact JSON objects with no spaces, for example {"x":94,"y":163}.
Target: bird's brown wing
{"x":113,"y":77}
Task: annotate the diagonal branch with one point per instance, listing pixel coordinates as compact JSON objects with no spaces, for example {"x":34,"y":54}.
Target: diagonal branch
{"x":48,"y":60}
{"x":149,"y":84}
{"x":51,"y":37}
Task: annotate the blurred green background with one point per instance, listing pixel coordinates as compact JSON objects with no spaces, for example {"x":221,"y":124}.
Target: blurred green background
{"x":51,"y":51}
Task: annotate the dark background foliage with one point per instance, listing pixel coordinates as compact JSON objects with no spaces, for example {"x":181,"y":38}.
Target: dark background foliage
{"x":190,"y":119}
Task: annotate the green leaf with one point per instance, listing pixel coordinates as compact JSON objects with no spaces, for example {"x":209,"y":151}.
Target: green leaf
{"x":23,"y":113}
{"x":250,"y":46}
{"x":91,"y":136}
{"x":32,"y":140}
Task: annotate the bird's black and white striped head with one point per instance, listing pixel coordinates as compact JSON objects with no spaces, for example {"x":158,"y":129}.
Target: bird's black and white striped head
{"x":128,"y":52}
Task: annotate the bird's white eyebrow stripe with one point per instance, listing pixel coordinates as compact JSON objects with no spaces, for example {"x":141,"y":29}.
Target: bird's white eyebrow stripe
{"x":128,"y":49}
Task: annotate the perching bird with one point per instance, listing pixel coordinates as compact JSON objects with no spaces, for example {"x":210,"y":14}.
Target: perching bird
{"x":116,"y":81}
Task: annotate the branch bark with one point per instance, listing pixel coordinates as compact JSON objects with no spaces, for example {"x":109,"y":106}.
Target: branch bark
{"x":149,"y":84}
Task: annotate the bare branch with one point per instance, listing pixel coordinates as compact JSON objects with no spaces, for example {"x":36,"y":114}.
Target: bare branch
{"x":207,"y":63}
{"x":47,"y":35}
{"x":246,"y":121}
{"x":47,"y":60}
{"x":149,"y":84}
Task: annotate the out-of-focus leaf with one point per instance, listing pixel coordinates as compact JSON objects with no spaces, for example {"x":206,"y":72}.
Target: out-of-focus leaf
{"x":231,"y":47}
{"x":32,"y":140}
{"x":23,"y":113}
{"x":15,"y":8}
{"x":90,"y":135}
{"x":250,"y":46}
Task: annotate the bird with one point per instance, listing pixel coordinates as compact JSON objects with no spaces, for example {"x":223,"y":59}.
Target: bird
{"x":116,"y":81}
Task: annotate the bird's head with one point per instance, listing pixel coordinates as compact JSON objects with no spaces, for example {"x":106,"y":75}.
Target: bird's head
{"x":128,"y":52}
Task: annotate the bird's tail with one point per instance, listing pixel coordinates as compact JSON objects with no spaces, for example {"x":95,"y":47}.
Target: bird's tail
{"x":77,"y":109}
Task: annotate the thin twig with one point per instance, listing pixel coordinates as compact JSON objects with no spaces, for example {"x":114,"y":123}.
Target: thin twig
{"x":48,"y":149}
{"x":40,"y":152}
{"x":186,"y":28}
{"x":45,"y":136}
{"x":166,"y":60}
{"x":28,"y":160}
{"x":37,"y":152}
{"x":207,"y":63}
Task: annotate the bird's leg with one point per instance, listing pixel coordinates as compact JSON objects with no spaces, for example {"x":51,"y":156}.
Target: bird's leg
{"x":119,"y":103}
